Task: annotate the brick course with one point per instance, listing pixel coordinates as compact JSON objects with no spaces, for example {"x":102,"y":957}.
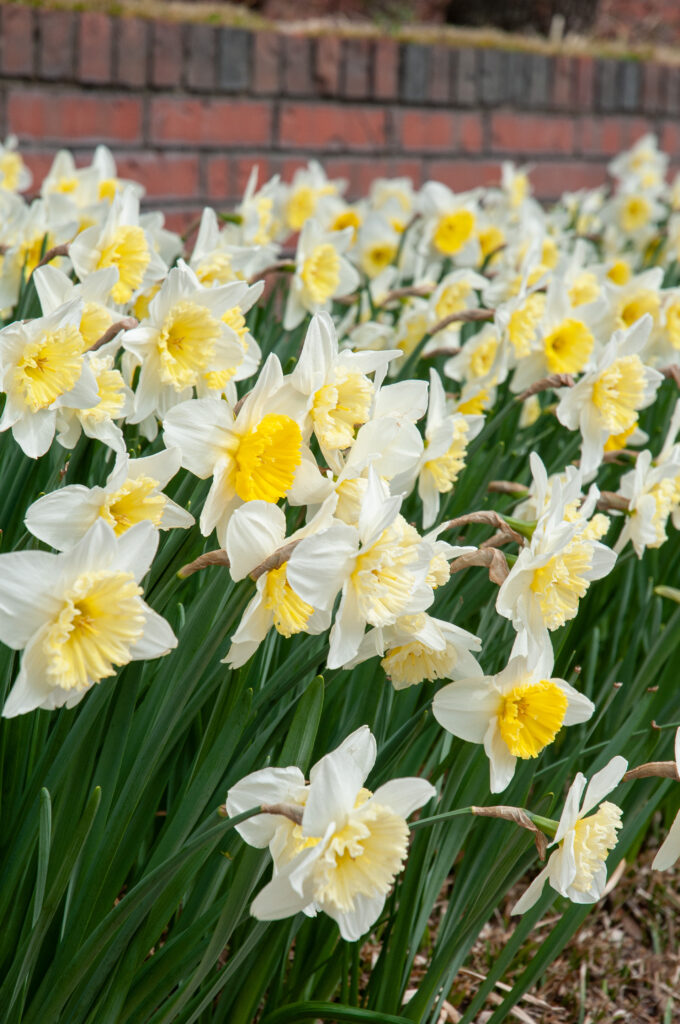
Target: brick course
{"x":189,"y":109}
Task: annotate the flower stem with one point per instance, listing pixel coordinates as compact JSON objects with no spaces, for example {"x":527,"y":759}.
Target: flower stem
{"x":422,"y":822}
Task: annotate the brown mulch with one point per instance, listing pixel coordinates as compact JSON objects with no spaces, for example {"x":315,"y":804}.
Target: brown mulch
{"x":622,"y":965}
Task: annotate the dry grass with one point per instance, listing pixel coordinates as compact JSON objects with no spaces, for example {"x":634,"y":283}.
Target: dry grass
{"x":622,"y":965}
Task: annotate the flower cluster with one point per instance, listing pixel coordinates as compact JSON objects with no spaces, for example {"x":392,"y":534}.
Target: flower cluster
{"x":409,"y":315}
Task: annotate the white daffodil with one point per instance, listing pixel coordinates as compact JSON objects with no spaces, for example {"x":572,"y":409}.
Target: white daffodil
{"x":377,"y":244}
{"x":321,"y":272}
{"x":55,"y":288}
{"x":120,"y":241}
{"x":627,"y":298}
{"x":27,"y":233}
{"x":350,"y":844}
{"x":115,"y":402}
{"x":652,"y":493}
{"x":258,"y":212}
{"x":256,"y":531}
{"x":419,"y":647}
{"x":669,"y":851}
{"x":300,"y":198}
{"x":42,"y":369}
{"x":515,"y":713}
{"x":481,"y":356}
{"x":215,"y":260}
{"x":565,"y":339}
{"x":450,"y":223}
{"x":576,"y":869}
{"x":64,"y":178}
{"x":108,"y":182}
{"x":606,"y":400}
{"x":644,"y":162}
{"x":185,"y":342}
{"x":78,"y":615}
{"x":259,"y":453}
{"x":454,"y":293}
{"x":553,"y":572}
{"x":14,"y":174}
{"x":132,"y":494}
{"x":446,"y":439}
{"x":381,"y":565}
{"x":332,"y":387}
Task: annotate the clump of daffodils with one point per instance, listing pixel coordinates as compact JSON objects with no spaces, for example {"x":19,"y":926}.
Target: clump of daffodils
{"x":328,"y":429}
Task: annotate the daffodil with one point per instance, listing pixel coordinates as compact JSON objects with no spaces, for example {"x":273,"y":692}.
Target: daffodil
{"x":652,"y":494}
{"x":132,"y":494}
{"x":14,"y":174}
{"x":450,"y":224}
{"x":121,"y":241}
{"x":447,"y":436}
{"x":186,"y":342}
{"x":555,"y":569}
{"x":350,"y":843}
{"x":576,"y":868}
{"x":669,"y":851}
{"x":78,"y":616}
{"x":43,"y":369}
{"x":608,"y":398}
{"x":515,"y":713}
{"x":381,"y":566}
{"x":257,"y":454}
{"x":256,"y":531}
{"x":321,"y":274}
{"x":419,"y":647}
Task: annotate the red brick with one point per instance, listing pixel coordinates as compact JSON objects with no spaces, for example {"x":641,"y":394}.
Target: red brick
{"x":670,"y":138}
{"x":267,"y":62}
{"x":131,"y":50}
{"x":320,"y":126}
{"x":163,"y":175}
{"x":17,"y":41}
{"x":601,"y":136}
{"x":564,"y":75}
{"x":585,"y":83}
{"x":531,"y":133}
{"x":652,"y":87}
{"x":407,"y":168}
{"x":359,"y":173}
{"x":385,"y":70}
{"x":201,"y":58}
{"x":426,"y":130}
{"x":217,"y":171}
{"x":551,"y":178}
{"x":327,"y":64}
{"x":241,"y":168}
{"x":38,"y":164}
{"x":470,"y":133}
{"x":218,"y":122}
{"x":55,"y":53}
{"x":440,"y":74}
{"x":94,"y":48}
{"x":70,"y":116}
{"x":461,"y":175}
{"x":357,"y":70}
{"x":166,"y":53}
{"x":297,"y":66}
{"x":181,"y":220}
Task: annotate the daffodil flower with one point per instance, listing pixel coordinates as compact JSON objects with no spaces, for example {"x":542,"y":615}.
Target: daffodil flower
{"x":321,"y":272}
{"x":132,"y":494}
{"x":78,"y":616}
{"x":553,"y":572}
{"x":381,"y":565}
{"x":607,"y":399}
{"x":256,"y":531}
{"x":669,"y":851}
{"x":42,"y":369}
{"x":576,"y":868}
{"x":515,"y":713}
{"x":652,"y":493}
{"x":257,"y":454}
{"x":350,"y":844}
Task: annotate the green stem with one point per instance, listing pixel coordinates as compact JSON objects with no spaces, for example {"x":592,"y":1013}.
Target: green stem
{"x":422,"y":822}
{"x":548,"y":825}
{"x":521,"y":527}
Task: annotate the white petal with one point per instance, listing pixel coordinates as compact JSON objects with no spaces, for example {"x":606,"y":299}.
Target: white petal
{"x":136,"y":549}
{"x":466,"y":707}
{"x":359,"y":745}
{"x":669,"y":851}
{"x":338,"y":777}
{"x":255,"y":531}
{"x":29,"y":594}
{"x":404,"y":796}
{"x":158,"y":638}
{"x":319,"y":565}
{"x":63,"y":517}
{"x":266,"y":786}
{"x":355,"y":923}
{"x":532,"y":895}
{"x":501,"y":762}
{"x":603,"y":782}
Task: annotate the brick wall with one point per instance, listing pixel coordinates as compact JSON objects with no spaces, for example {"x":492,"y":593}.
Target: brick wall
{"x":189,"y":108}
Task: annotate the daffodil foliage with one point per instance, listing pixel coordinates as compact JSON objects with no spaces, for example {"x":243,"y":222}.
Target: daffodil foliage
{"x":322,"y":526}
